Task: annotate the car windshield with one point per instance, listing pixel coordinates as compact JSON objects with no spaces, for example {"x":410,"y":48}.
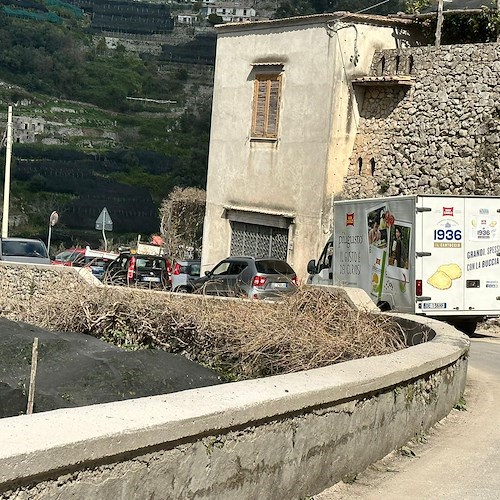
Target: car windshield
{"x":273,"y":267}
{"x":67,"y":256}
{"x":23,"y":249}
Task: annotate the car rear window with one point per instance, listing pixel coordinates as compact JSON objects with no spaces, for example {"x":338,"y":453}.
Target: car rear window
{"x":96,"y":261}
{"x":145,"y":263}
{"x":68,"y":256}
{"x":273,"y":267}
{"x":195,"y":270}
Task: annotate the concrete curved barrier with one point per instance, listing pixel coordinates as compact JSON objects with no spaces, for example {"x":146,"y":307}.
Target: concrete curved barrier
{"x":287,"y":436}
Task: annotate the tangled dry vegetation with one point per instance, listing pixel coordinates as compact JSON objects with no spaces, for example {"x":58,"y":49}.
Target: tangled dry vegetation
{"x":240,"y":339}
{"x":181,"y":216}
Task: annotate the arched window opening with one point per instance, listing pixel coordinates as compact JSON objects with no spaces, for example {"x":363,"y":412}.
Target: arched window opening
{"x":360,"y":165}
{"x":372,"y":165}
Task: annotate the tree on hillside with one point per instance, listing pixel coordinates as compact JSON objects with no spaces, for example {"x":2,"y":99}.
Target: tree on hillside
{"x":214,"y":19}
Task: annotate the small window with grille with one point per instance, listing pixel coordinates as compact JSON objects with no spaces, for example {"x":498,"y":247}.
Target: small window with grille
{"x":266,"y":104}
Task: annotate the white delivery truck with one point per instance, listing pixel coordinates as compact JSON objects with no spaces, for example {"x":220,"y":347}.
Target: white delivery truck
{"x":431,"y":255}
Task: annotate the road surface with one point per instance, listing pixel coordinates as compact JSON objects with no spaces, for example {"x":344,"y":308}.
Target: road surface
{"x":458,"y":459}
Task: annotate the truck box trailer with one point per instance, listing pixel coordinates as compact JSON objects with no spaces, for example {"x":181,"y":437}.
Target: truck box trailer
{"x":431,"y":255}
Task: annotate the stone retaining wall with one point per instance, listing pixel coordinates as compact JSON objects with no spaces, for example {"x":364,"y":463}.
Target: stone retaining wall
{"x":440,"y":135}
{"x":25,"y":280}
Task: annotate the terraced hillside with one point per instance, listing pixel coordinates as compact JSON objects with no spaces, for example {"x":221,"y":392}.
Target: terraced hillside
{"x":96,"y":124}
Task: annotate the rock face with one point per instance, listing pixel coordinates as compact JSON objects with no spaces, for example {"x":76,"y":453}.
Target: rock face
{"x":79,"y":370}
{"x":440,"y":135}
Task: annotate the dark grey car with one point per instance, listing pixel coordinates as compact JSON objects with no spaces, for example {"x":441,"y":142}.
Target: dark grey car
{"x":24,"y":250}
{"x":256,"y":278}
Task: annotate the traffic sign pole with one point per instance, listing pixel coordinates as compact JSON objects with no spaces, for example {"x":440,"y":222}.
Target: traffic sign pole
{"x":105,"y":240}
{"x":105,"y":223}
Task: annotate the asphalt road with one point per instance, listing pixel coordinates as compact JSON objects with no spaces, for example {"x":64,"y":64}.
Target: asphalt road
{"x":460,"y":456}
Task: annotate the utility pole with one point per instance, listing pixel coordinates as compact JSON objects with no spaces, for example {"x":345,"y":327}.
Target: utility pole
{"x":498,"y":20}
{"x":6,"y":183}
{"x":439,"y":23}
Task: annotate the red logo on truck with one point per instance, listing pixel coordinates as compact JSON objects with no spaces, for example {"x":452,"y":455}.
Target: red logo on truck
{"x":448,"y":211}
{"x":349,"y":219}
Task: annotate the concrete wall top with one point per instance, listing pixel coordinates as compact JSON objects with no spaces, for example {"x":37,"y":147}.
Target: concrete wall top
{"x":39,"y":443}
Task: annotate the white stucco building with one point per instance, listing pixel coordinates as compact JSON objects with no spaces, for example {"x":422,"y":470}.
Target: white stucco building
{"x":229,"y":11}
{"x":284,"y":119}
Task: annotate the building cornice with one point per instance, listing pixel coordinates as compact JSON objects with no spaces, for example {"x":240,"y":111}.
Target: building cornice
{"x":318,"y":19}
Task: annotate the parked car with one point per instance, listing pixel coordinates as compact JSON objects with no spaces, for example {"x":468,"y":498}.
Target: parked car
{"x":184,"y":273}
{"x":24,"y":250}
{"x":68,"y":257}
{"x":256,"y":278}
{"x":131,"y":269}
{"x":95,"y":260}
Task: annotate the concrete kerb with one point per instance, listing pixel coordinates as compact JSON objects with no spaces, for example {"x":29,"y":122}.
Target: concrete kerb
{"x":41,"y":447}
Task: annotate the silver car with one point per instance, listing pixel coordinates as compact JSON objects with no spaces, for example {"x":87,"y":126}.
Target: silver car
{"x":255,"y":278}
{"x":183,"y":273}
{"x":24,"y":250}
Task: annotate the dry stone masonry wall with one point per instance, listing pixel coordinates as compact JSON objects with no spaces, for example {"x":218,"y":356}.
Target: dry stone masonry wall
{"x":439,"y":135}
{"x":21,"y":283}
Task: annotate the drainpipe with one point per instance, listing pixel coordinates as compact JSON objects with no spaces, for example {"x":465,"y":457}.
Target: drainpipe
{"x":6,"y":185}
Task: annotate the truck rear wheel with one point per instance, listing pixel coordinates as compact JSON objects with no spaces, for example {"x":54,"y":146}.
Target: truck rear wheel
{"x":467,"y":326}
{"x":384,"y":306}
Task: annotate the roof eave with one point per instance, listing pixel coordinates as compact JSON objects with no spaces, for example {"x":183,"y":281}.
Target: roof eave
{"x":376,"y":20}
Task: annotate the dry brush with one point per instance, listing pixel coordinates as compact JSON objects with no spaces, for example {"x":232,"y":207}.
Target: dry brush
{"x":239,"y":338}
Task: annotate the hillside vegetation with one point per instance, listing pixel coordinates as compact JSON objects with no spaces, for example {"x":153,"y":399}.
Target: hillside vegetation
{"x":99,"y":147}
{"x":121,"y":129}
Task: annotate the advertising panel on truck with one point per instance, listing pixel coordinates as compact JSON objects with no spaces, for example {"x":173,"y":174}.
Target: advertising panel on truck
{"x":434,"y":255}
{"x":372,"y":247}
{"x":461,"y":237}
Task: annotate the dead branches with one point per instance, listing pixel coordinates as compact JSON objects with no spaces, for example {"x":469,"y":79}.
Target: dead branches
{"x":181,"y":216}
{"x":239,"y":338}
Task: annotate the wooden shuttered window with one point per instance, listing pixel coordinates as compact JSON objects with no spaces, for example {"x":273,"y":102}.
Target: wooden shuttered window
{"x":266,"y":104}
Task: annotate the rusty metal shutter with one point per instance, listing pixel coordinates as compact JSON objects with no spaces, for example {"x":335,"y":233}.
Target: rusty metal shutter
{"x":259,"y":218}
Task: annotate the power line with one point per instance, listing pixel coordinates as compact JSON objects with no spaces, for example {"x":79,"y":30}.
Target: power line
{"x":371,"y":7}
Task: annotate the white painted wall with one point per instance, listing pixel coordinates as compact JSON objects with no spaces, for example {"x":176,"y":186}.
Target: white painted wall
{"x":297,"y":175}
